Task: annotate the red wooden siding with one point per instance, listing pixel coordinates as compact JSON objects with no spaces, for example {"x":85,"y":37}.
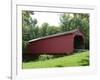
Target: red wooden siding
{"x":59,"y":44}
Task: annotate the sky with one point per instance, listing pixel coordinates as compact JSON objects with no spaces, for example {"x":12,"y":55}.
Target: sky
{"x":51,"y":18}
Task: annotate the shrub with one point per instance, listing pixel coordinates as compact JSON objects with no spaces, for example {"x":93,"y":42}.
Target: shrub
{"x":45,"y":57}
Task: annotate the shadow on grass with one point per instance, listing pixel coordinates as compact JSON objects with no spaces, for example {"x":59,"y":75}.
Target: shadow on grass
{"x":59,"y":66}
{"x":85,"y":62}
{"x":29,"y":57}
{"x":43,"y":57}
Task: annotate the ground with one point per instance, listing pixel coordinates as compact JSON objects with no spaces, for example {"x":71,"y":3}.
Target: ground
{"x":77,"y":59}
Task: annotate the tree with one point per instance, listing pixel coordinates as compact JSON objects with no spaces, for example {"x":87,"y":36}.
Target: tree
{"x":65,"y":20}
{"x":32,"y":33}
{"x":78,"y":20}
{"x":37,"y":32}
{"x":28,"y":25}
{"x":43,"y":29}
{"x":53,"y":30}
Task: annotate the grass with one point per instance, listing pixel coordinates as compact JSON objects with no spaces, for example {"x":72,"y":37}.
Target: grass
{"x":77,"y":59}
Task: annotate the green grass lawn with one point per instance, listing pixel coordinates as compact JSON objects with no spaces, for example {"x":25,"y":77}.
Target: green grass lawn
{"x":77,"y":59}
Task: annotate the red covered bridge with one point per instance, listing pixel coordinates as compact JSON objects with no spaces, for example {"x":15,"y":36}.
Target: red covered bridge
{"x":61,"y":43}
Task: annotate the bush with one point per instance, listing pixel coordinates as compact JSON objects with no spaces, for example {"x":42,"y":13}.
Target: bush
{"x":45,"y":57}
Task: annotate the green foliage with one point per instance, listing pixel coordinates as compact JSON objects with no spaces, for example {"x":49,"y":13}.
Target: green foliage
{"x":24,"y":44}
{"x":29,"y":29}
{"x":45,"y":57}
{"x":53,"y":30}
{"x":37,"y":32}
{"x":43,"y":29}
{"x":65,"y":20}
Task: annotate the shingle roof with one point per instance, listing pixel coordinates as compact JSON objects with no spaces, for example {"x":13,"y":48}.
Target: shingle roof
{"x":54,"y":35}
